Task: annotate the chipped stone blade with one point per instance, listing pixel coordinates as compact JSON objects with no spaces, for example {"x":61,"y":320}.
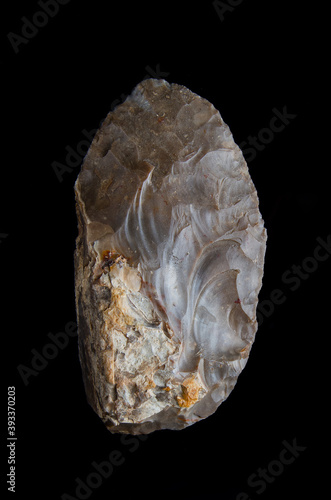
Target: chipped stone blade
{"x":168,"y":263}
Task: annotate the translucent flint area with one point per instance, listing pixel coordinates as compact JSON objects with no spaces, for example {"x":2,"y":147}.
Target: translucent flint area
{"x":200,"y":259}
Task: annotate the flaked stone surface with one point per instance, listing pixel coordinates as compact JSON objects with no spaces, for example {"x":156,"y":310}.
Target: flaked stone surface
{"x":168,"y":263}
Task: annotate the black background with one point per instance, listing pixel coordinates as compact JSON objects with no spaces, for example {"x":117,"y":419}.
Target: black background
{"x":67,"y":77}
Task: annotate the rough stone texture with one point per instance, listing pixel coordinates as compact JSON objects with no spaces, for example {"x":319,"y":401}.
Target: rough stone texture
{"x":169,"y":261}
